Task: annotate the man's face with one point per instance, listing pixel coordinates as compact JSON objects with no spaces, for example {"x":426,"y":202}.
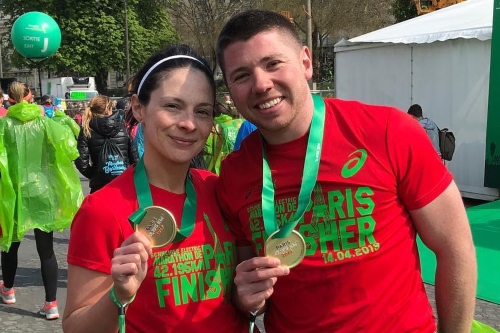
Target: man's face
{"x":267,"y":79}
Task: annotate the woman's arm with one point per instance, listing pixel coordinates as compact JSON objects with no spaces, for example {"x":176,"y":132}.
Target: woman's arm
{"x":88,"y":305}
{"x":82,"y":163}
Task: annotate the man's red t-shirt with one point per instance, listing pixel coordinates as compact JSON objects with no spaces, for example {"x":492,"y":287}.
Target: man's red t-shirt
{"x":361,"y":272}
{"x":188,"y":283}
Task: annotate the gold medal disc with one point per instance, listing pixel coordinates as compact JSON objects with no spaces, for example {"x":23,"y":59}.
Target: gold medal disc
{"x":158,"y":225}
{"x":289,"y":250}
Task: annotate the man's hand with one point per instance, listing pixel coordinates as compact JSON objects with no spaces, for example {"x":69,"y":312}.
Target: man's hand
{"x":130,"y":265}
{"x":255,"y":279}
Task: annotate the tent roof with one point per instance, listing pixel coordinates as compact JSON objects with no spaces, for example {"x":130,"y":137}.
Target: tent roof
{"x":469,"y":19}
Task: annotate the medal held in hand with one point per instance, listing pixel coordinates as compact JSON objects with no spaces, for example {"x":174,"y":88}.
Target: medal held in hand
{"x":285,"y":243}
{"x":158,"y":225}
{"x":289,"y":250}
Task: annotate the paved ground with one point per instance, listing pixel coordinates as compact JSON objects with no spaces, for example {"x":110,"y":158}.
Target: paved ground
{"x":23,"y":317}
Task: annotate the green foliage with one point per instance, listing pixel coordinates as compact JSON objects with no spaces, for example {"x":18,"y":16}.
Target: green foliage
{"x":93,"y":34}
{"x":404,"y":10}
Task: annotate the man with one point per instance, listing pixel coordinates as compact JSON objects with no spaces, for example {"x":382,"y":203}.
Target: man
{"x":427,"y":124}
{"x":378,"y":185}
{"x":47,"y":106}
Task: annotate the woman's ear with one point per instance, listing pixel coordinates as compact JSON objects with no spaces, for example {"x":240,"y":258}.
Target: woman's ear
{"x":137,"y":109}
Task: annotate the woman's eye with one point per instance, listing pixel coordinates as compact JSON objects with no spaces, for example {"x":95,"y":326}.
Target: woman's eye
{"x":204,"y":112}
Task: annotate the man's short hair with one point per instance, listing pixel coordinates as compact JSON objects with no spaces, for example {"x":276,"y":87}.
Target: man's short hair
{"x":245,"y":25}
{"x":415,"y":110}
{"x":45,"y":98}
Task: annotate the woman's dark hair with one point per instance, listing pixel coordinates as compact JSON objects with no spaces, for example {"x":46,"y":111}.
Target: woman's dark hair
{"x":158,"y":74}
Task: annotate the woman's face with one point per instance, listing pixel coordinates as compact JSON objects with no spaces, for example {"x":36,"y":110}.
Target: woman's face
{"x":179,"y":116}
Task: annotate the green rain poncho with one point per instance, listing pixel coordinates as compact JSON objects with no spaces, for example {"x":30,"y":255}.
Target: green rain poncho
{"x":221,"y":141}
{"x":63,"y":119}
{"x":39,"y":186}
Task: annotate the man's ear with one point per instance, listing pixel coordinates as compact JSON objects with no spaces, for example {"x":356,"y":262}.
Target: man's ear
{"x":307,"y":62}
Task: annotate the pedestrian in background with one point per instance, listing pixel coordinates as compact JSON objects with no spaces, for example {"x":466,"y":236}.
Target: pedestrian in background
{"x":110,"y":265}
{"x":427,"y":124}
{"x":61,"y":117}
{"x":105,"y":146}
{"x":337,"y":191}
{"x":47,"y":106}
{"x":3,"y":110}
{"x":39,"y":187}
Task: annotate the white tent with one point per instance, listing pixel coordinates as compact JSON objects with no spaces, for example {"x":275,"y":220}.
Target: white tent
{"x":439,"y":60}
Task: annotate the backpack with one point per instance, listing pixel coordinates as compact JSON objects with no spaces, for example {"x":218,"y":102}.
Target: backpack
{"x":446,"y":144}
{"x":111,"y":162}
{"x":49,"y":110}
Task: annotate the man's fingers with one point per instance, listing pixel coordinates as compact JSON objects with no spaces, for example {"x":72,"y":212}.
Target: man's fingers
{"x":258,"y":262}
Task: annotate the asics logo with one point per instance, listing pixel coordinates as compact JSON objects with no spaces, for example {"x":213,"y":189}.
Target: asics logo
{"x":354,"y":164}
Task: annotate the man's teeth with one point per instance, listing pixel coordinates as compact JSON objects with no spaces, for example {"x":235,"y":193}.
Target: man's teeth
{"x":270,"y":103}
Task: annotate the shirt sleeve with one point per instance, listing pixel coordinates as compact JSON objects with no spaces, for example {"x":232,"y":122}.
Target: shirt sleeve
{"x":95,"y":234}
{"x":420,"y":173}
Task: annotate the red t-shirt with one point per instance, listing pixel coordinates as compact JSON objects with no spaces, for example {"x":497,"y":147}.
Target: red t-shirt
{"x":361,"y":272}
{"x":188,"y":283}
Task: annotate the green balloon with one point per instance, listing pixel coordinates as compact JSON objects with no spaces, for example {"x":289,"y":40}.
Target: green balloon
{"x":36,"y":35}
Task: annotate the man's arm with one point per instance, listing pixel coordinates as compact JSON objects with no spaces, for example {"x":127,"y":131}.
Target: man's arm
{"x":444,"y":228}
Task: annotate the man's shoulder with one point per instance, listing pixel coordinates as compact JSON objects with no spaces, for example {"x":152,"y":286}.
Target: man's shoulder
{"x":350,"y":106}
{"x":359,"y":113}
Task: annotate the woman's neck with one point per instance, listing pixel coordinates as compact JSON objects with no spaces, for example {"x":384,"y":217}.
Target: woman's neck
{"x":165,"y":175}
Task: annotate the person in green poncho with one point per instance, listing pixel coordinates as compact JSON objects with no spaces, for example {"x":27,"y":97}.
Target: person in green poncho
{"x":61,"y":117}
{"x":39,"y":189}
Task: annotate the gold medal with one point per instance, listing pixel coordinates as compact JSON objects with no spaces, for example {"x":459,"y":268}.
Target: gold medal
{"x":289,"y":250}
{"x":158,"y":225}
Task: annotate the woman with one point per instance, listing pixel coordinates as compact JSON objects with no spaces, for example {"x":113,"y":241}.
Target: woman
{"x":39,"y":187}
{"x":106,"y":149}
{"x":179,"y":286}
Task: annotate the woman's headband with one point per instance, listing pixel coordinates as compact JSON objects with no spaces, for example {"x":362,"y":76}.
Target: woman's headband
{"x":27,"y":98}
{"x":161,"y":62}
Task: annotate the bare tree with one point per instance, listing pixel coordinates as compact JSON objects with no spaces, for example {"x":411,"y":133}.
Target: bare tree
{"x":199,"y":22}
{"x":332,"y":20}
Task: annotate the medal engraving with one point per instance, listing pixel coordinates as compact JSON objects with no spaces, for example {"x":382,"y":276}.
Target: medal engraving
{"x":289,"y":250}
{"x":158,"y":225}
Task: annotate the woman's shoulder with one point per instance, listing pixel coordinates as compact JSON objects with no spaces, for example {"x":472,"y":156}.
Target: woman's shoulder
{"x":203,"y":179}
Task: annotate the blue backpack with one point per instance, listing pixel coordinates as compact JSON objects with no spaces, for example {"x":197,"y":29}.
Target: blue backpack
{"x":49,"y":110}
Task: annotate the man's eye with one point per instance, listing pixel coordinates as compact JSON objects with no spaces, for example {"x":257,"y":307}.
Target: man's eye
{"x":273,"y":63}
{"x":240,"y":77}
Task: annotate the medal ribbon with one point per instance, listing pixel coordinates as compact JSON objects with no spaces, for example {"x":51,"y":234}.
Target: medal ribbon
{"x":309,"y":175}
{"x":145,"y":200}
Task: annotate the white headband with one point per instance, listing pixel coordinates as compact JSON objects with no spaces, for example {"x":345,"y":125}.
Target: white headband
{"x":161,"y":62}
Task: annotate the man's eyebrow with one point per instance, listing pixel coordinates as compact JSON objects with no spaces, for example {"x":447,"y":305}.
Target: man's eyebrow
{"x":264,"y":59}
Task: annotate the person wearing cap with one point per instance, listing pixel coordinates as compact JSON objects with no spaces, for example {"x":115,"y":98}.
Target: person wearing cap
{"x":39,"y":187}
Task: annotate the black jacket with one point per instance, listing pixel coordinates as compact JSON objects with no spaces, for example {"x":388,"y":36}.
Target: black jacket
{"x":111,"y":127}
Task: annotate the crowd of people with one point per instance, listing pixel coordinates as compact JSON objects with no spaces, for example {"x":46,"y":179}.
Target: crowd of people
{"x":312,"y":221}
